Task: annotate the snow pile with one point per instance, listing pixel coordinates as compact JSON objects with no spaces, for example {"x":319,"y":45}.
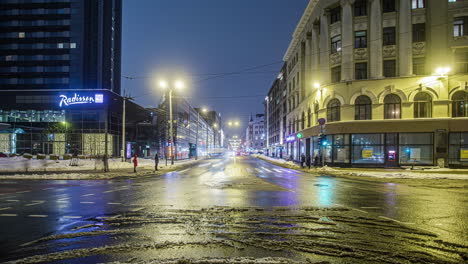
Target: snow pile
{"x":281,"y":162}
{"x":410,"y":175}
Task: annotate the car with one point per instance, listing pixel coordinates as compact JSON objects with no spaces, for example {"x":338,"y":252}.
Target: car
{"x":3,"y":155}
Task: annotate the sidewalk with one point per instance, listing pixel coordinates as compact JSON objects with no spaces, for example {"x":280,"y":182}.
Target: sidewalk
{"x":20,"y":168}
{"x":381,"y":173}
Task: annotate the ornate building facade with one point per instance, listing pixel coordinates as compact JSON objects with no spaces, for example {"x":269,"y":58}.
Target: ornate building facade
{"x":390,"y":78}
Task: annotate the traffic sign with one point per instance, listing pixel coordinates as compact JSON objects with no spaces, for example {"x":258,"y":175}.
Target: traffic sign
{"x":322,"y":121}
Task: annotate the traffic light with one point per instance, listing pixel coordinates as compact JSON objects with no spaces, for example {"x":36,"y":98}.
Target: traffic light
{"x":319,"y":140}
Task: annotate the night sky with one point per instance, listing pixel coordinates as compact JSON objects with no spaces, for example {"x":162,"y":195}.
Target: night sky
{"x":196,"y":38}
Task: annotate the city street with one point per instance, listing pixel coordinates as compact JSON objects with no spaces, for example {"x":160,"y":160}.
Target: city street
{"x":233,"y":207}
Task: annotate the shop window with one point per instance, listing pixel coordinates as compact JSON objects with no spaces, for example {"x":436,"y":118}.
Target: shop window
{"x":367,"y":149}
{"x":340,"y":149}
{"x":336,"y":74}
{"x":458,"y":148}
{"x":389,"y":68}
{"x":360,"y":8}
{"x":422,"y":105}
{"x":336,"y":44}
{"x":392,"y":108}
{"x":333,"y":110}
{"x":360,"y":39}
{"x":360,"y":71}
{"x":388,"y":6}
{"x":460,"y":104}
{"x":335,"y":15}
{"x":389,"y":34}
{"x":416,"y":148}
{"x":419,"y":66}
{"x":363,"y":108}
{"x":419,"y":32}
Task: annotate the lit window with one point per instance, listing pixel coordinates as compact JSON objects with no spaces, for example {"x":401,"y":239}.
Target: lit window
{"x":459,"y":26}
{"x":60,"y":45}
{"x":72,"y":45}
{"x":21,"y":35}
{"x":417,"y":4}
{"x":336,"y":44}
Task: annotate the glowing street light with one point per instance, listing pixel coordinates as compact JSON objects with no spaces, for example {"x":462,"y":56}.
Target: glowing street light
{"x":443,"y":70}
{"x":317,"y":85}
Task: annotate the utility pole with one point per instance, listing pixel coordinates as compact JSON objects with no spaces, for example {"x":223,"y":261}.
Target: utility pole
{"x":122,"y":151}
{"x":106,"y":154}
{"x":171,"y":128}
{"x":196,"y":138}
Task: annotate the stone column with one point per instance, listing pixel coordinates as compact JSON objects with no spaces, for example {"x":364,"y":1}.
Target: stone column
{"x":324,"y":65}
{"x":405,"y":43}
{"x":375,"y":43}
{"x":347,"y":40}
{"x":307,"y":78}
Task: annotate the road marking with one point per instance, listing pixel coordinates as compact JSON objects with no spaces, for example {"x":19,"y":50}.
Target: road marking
{"x":182,"y":171}
{"x":87,"y":202}
{"x":114,"y":203}
{"x":89,"y":194}
{"x":110,"y":191}
{"x":5,"y":208}
{"x":362,"y":211}
{"x":369,"y":207}
{"x":266,"y":169}
{"x":8,"y":215}
{"x":249,"y":170}
{"x":37,"y":215}
{"x":204,"y":165}
{"x":47,"y":189}
{"x":137,"y":209}
{"x":63,"y":199}
{"x":257,"y":169}
{"x":23,"y":192}
{"x":12,"y":200}
{"x":72,"y":217}
{"x":31,"y":204}
{"x":400,"y":222}
{"x":277,"y":170}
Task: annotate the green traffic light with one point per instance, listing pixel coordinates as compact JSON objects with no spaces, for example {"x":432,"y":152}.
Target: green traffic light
{"x":299,"y":135}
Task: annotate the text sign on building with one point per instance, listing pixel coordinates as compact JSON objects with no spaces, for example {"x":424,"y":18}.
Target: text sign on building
{"x":76,"y":99}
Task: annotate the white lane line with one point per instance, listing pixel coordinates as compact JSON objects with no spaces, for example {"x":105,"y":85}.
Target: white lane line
{"x":266,"y":169}
{"x":87,"y":202}
{"x":12,"y":200}
{"x":182,"y":171}
{"x":110,"y":191}
{"x":89,"y":194}
{"x":72,"y":217}
{"x":277,"y":170}
{"x":257,"y":169}
{"x":370,"y":207}
{"x":204,"y":165}
{"x":38,"y":201}
{"x":114,"y":203}
{"x":137,"y":209}
{"x":394,"y":220}
{"x":249,"y":170}
{"x":362,"y":211}
{"x":8,"y":215}
{"x":37,"y":215}
{"x":23,"y":192}
{"x":63,"y":199}
{"x":47,"y":189}
{"x":5,"y":208}
{"x":31,"y":204}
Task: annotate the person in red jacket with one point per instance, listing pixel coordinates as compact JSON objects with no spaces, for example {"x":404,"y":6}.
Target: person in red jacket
{"x":135,"y":162}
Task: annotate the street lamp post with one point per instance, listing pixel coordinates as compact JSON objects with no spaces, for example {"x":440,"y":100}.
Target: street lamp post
{"x":178,"y":85}
{"x":198,"y":124}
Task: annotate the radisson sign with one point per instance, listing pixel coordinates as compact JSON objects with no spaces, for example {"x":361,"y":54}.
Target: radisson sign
{"x":80,"y":99}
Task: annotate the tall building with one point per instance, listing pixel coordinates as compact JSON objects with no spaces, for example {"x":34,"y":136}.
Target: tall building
{"x":389,"y":78}
{"x":255,"y":136}
{"x":275,"y":114}
{"x":60,"y":75}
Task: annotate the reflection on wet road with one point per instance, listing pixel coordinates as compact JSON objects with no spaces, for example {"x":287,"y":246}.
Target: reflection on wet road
{"x":228,"y":204}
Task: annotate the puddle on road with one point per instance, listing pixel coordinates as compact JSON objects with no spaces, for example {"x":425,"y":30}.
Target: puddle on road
{"x":252,"y":235}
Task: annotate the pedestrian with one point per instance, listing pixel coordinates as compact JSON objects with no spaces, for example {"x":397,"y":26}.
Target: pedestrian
{"x":316,"y":161}
{"x":135,"y":163}
{"x":156,"y":161}
{"x":308,"y":161}
{"x":303,"y":159}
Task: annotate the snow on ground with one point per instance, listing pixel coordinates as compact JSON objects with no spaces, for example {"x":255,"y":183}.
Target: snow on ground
{"x":20,"y":164}
{"x":432,"y":173}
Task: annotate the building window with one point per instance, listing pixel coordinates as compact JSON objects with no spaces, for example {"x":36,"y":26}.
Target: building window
{"x":303,"y":120}
{"x":335,"y":15}
{"x":360,"y":8}
{"x":333,"y":110}
{"x":392,"y":109}
{"x":363,"y":108}
{"x":422,"y":105}
{"x":336,"y":44}
{"x":419,"y":32}
{"x":461,"y":60}
{"x":418,"y":4}
{"x":336,"y":74}
{"x":309,"y":117}
{"x":416,"y":148}
{"x":459,"y":26}
{"x":419,"y":66}
{"x":368,"y":148}
{"x":360,"y":71}
{"x":388,"y":6}
{"x":389,"y":68}
{"x":389,"y":36}
{"x":460,"y":104}
{"x":360,"y":39}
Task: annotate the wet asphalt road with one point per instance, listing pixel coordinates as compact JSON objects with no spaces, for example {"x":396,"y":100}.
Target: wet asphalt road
{"x":30,"y":210}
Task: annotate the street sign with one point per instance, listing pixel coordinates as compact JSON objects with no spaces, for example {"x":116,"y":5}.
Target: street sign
{"x":322,"y":121}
